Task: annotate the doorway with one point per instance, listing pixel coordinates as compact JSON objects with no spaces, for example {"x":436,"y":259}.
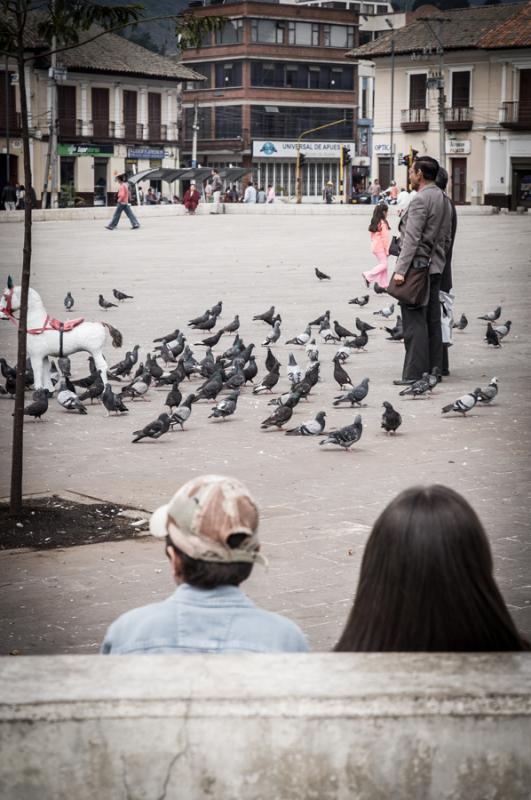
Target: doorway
{"x":8,"y":174}
{"x":100,"y":181}
{"x":459,"y":181}
{"x":384,"y":172}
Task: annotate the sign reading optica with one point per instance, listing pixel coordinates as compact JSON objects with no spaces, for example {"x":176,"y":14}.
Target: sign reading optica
{"x":140,"y":152}
{"x":104,"y":150}
{"x":269,"y":149}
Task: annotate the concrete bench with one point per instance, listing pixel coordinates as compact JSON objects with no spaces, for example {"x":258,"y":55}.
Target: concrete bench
{"x":274,"y":727}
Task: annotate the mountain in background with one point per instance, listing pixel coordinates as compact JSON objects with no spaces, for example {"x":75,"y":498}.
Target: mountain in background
{"x":159,"y":36}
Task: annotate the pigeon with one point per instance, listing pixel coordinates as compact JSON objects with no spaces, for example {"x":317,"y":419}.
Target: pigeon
{"x":360,"y":301}
{"x":206,"y":325}
{"x":270,"y":380}
{"x":226,"y":407}
{"x":487,"y":395}
{"x":312,"y":427}
{"x":112,"y":402}
{"x":461,"y":325}
{"x":250,"y":370}
{"x":200,"y":319}
{"x":236,"y":380}
{"x":463,"y":404}
{"x":364,"y":327}
{"x":154,"y":430}
{"x":64,"y":365}
{"x":325,"y":332}
{"x":342,"y":332}
{"x":491,"y":337}
{"x":319,"y":320}
{"x":68,"y":399}
{"x":121,"y":295}
{"x":123,"y":367}
{"x":95,"y":389}
{"x":271,"y":360}
{"x":54,"y":373}
{"x":340,"y":375}
{"x":396,"y":334}
{"x":216,"y":309}
{"x":233,"y":326}
{"x":347,"y":436}
{"x":302,"y":338}
{"x":358,"y":342}
{"x":39,"y":405}
{"x":210,"y":341}
{"x":434,"y":377}
{"x":322,"y":275}
{"x":169,"y":336}
{"x":211,"y":389}
{"x":276,"y":318}
{"x":69,"y":301}
{"x":267,"y":316}
{"x":84,"y":383}
{"x":502,"y":330}
{"x":274,"y":336}
{"x":391,"y":419}
{"x":312,"y":351}
{"x":492,"y":316}
{"x":282,"y":399}
{"x":293,"y":370}
{"x":343,"y":353}
{"x":355,"y":395}
{"x":417,"y":388}
{"x":154,"y":369}
{"x":182,"y":414}
{"x":379,"y":289}
{"x":386,"y":312}
{"x":138,"y":388}
{"x":281,"y":415}
{"x":103,"y":303}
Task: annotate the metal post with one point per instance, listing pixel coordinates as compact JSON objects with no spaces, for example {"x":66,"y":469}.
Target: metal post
{"x":8,"y":157}
{"x":441,"y":99}
{"x":298,"y":187}
{"x":53,"y":131}
{"x":195,"y":128}
{"x":341,"y":173}
{"x":391,"y":135}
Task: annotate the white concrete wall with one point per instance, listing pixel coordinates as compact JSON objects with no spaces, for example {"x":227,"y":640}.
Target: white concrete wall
{"x":286,"y":727}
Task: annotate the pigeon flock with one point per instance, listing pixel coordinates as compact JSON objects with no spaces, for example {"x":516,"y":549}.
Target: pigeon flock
{"x":219,"y":370}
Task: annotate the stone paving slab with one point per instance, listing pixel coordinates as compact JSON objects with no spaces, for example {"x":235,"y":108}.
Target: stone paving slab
{"x":318,"y":504}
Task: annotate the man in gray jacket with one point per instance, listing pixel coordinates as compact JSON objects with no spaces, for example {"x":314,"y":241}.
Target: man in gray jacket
{"x":426,"y":234}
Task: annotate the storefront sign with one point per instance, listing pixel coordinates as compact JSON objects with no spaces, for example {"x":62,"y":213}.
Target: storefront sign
{"x":104,"y":150}
{"x":457,"y":147}
{"x":140,"y":152}
{"x":269,"y":149}
{"x":382,"y":149}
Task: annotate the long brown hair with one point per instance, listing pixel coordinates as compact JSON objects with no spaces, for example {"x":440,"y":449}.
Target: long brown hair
{"x":379,"y":217}
{"x":426,"y":581}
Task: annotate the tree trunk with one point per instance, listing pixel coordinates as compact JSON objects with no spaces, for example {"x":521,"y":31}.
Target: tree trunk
{"x":17,"y":462}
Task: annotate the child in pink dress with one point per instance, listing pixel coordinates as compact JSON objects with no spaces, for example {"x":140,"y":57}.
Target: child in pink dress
{"x":380,"y":238}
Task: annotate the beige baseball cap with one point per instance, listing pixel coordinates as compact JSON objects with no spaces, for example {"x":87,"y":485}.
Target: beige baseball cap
{"x":203,"y":514}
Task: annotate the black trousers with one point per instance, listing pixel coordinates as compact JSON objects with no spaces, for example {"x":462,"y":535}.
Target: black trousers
{"x":423,"y":335}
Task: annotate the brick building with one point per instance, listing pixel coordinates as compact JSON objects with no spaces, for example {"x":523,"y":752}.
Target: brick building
{"x":271,"y":73}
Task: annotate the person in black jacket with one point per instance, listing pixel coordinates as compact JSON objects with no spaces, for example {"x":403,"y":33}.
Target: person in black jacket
{"x":446,"y":278}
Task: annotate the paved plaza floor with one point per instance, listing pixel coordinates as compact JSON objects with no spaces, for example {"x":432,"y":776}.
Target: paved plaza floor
{"x":318,"y":504}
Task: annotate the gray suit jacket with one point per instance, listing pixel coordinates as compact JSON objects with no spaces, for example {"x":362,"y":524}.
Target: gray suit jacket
{"x":427,"y":222}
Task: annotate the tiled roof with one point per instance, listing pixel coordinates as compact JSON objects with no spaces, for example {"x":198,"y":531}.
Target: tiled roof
{"x":113,"y":54}
{"x":462,"y":29}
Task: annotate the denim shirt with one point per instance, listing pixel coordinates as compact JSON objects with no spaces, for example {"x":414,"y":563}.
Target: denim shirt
{"x":221,"y":620}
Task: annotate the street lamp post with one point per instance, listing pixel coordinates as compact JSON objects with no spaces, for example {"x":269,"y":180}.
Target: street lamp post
{"x":392,"y":128}
{"x":298,"y":181}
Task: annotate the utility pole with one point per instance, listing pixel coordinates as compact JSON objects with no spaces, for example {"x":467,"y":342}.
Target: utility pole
{"x":195,"y":128}
{"x":341,"y":173}
{"x":298,"y":149}
{"x":7,"y":87}
{"x":391,"y":135}
{"x":437,"y":82}
{"x":50,"y":177}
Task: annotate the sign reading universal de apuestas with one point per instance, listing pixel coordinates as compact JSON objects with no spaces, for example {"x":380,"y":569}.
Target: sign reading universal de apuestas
{"x":271,"y":149}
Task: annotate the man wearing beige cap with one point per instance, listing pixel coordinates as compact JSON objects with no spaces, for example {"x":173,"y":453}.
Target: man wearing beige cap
{"x":210,"y":528}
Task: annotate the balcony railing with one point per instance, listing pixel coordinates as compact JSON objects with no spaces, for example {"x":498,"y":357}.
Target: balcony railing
{"x":69,"y":127}
{"x":133,"y":131}
{"x":458,"y":118}
{"x":103,"y":129}
{"x":157,"y":132}
{"x":516,"y":114}
{"x":415,"y":119}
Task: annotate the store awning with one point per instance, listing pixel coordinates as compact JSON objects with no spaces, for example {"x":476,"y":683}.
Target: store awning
{"x":198,"y":174}
{"x":234,"y":173}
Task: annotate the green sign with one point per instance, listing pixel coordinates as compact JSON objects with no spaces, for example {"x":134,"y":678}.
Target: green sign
{"x":105,"y":150}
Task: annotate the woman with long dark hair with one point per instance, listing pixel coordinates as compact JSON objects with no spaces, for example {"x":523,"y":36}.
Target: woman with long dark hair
{"x":426,"y":581}
{"x":380,"y":238}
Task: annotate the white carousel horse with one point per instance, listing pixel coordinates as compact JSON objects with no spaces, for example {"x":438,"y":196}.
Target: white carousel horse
{"x":49,"y":337}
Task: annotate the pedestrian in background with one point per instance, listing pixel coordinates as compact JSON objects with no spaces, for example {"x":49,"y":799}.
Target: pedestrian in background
{"x":375,"y":191}
{"x":446,"y":294}
{"x":250,"y":193}
{"x":270,"y":194}
{"x":122,"y":205}
{"x":380,"y":239}
{"x":9,"y":197}
{"x":328,"y":193}
{"x":21,"y":197}
{"x":216,"y":184}
{"x":191,"y":198}
{"x":208,"y":192}
{"x":261,"y":195}
{"x":426,"y":582}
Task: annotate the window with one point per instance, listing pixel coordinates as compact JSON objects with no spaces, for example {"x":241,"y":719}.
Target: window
{"x":290,"y":121}
{"x":100,"y":112}
{"x":228,"y":74}
{"x":231,"y":33}
{"x":315,"y":34}
{"x":461,"y":89}
{"x":338,"y":36}
{"x":154,"y":115}
{"x":301,"y":33}
{"x":524,"y":97}
{"x":301,"y":76}
{"x":417,"y":91}
{"x":268,"y":31}
{"x":381,"y":9}
{"x":206,"y":71}
{"x":130,"y":103}
{"x":7,"y":109}
{"x":228,"y":122}
{"x":66,"y":110}
{"x":204,"y":121}
{"x":364,"y":97}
